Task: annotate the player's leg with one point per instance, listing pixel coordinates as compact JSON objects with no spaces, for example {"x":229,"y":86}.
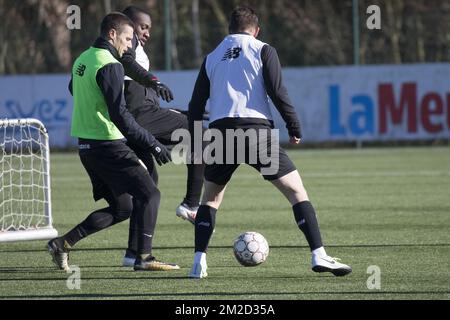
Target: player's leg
{"x":291,"y":186}
{"x":147,"y":160}
{"x":204,"y":226}
{"x":287,"y":179}
{"x":216,"y":179}
{"x":162,"y":122}
{"x":119,"y":209}
{"x":146,"y":200}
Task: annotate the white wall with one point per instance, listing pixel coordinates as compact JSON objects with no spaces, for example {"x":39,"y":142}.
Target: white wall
{"x":371,"y":103}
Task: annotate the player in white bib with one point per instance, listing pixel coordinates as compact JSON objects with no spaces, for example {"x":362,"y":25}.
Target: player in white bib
{"x":237,"y":78}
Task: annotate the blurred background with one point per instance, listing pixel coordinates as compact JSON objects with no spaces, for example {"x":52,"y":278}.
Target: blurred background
{"x":35,"y":38}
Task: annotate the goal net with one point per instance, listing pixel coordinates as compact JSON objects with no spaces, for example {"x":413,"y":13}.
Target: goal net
{"x":25,"y":205}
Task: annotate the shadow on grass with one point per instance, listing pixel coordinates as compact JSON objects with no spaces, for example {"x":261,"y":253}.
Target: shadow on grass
{"x":84,"y":278}
{"x":228,"y":247}
{"x":208,"y":295}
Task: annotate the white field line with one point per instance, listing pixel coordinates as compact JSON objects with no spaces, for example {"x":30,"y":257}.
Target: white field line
{"x":349,"y":174}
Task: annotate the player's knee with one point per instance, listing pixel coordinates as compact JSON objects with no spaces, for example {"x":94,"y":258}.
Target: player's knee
{"x":156,"y":195}
{"x":122,"y":215}
{"x":212,"y":199}
{"x":123,"y":210}
{"x":151,"y":194}
{"x":296,"y":195}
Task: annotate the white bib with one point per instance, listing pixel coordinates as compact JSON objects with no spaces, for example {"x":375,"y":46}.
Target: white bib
{"x":237,"y":87}
{"x":141,"y":58}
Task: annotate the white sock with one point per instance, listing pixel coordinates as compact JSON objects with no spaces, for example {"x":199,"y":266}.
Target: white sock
{"x":320,"y":252}
{"x":200,"y":257}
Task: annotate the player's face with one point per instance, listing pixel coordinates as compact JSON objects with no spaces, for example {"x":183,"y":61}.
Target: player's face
{"x":122,"y":41}
{"x":142,"y":27}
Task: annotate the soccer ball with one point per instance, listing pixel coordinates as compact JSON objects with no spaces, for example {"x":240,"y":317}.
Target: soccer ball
{"x":251,"y":249}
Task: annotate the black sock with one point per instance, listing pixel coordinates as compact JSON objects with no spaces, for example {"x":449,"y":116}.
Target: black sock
{"x":133,"y":233}
{"x":204,"y":227}
{"x":119,"y":209}
{"x":96,"y":221}
{"x":194,"y":184}
{"x":146,"y":213}
{"x":306,"y":219}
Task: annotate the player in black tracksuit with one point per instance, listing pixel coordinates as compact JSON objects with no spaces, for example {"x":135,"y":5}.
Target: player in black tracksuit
{"x":103,"y":125}
{"x":142,"y":93}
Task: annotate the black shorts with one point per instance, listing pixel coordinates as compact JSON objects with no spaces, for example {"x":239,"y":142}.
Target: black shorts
{"x":114,"y":169}
{"x":257,"y":155}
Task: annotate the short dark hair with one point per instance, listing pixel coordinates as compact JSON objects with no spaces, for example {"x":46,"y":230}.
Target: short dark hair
{"x":116,"y":21}
{"x":242,"y":18}
{"x":133,"y":11}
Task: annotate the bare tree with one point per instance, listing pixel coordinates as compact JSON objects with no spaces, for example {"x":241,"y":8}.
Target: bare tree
{"x":394,"y":16}
{"x":173,"y":46}
{"x":196,"y":32}
{"x":34,"y":37}
{"x":4,"y":47}
{"x":53,"y":14}
{"x":219,"y":15}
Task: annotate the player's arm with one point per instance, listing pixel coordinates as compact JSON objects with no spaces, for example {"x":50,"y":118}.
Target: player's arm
{"x":110,"y":81}
{"x":70,"y":87}
{"x":144,"y":77}
{"x":197,"y":105}
{"x":200,"y":96}
{"x":277,"y":92}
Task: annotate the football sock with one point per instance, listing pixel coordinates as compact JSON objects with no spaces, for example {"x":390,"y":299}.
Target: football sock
{"x":133,"y":234}
{"x":145,"y":211}
{"x":200,"y":257}
{"x":96,"y":221}
{"x":306,"y":219}
{"x":120,"y":209}
{"x":204,"y":227}
{"x":194,"y":184}
{"x":130,"y":253}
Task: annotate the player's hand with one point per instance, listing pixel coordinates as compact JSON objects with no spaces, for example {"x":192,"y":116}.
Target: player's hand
{"x":294,"y":140}
{"x":161,"y":153}
{"x":162,"y":90}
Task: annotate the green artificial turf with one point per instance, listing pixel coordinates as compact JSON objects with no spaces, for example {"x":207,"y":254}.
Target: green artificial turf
{"x":385,"y":207}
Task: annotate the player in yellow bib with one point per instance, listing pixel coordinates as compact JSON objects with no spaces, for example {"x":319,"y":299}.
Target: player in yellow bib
{"x":103,"y":125}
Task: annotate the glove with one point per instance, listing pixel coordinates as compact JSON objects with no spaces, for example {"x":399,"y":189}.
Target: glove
{"x":161,"y":153}
{"x":294,"y":130}
{"x":161,"y":90}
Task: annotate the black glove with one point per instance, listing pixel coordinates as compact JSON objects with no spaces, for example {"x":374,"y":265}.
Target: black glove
{"x":161,"y":90}
{"x":294,"y":130}
{"x":161,"y":153}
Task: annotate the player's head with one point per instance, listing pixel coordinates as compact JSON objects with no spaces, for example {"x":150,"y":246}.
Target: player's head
{"x":244,"y":19}
{"x":142,"y":22}
{"x":117,"y":28}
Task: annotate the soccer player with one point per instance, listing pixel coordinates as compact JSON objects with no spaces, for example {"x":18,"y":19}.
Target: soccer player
{"x":237,"y":78}
{"x":101,"y":122}
{"x":142,"y":93}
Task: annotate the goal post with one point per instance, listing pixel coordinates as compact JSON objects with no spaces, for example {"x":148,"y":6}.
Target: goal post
{"x":25,"y":194}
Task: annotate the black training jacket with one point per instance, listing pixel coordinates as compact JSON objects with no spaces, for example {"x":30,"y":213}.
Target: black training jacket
{"x":110,"y":80}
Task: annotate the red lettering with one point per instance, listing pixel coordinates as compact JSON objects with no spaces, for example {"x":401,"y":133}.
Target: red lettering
{"x":387,"y":105}
{"x":426,"y":111}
